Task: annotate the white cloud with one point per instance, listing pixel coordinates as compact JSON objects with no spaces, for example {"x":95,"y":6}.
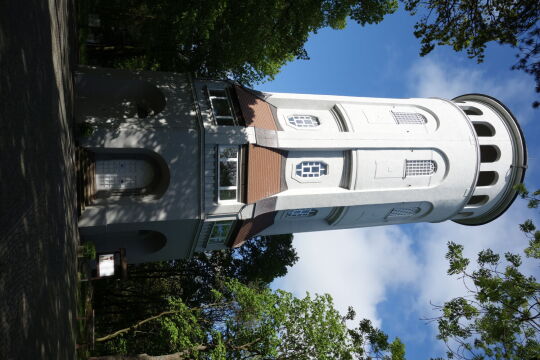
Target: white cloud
{"x":356,"y":267}
{"x":432,"y":77}
{"x":502,"y":235}
{"x":361,"y":267}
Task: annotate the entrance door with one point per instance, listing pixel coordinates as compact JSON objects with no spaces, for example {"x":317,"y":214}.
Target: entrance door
{"x":123,"y":174}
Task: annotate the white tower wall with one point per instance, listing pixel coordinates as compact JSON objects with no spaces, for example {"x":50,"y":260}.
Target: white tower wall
{"x":196,"y":165}
{"x":368,"y":146}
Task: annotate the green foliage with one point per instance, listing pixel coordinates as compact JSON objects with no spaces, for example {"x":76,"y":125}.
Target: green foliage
{"x":247,"y":40}
{"x":471,"y":24}
{"x":87,"y":250}
{"x":533,"y":250}
{"x":499,"y":317}
{"x":151,"y":287}
{"x":255,"y":323}
{"x":86,"y":129}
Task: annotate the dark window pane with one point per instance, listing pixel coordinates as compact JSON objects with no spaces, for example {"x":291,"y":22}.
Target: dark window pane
{"x":221,"y":107}
{"x":225,"y":121}
{"x":227,"y":173}
{"x":227,"y":194}
{"x":218,"y":93}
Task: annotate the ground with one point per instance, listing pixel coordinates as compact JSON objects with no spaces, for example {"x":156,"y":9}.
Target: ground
{"x":38,"y":218}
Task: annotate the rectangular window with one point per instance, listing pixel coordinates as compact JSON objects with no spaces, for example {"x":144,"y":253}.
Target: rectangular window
{"x":220,"y":232}
{"x":222,"y":108}
{"x":228,"y":173}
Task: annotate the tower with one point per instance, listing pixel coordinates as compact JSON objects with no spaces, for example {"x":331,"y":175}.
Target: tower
{"x":185,"y":165}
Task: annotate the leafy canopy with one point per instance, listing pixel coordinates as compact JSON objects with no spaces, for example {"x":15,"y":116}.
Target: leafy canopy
{"x":246,"y":40}
{"x":471,"y":24}
{"x":252,"y":323}
{"x":499,"y":316}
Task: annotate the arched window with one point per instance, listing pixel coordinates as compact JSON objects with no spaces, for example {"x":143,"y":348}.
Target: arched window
{"x":303,"y":121}
{"x":311,"y":169}
{"x":130,"y":172}
{"x":471,"y":110}
{"x":408,"y":118}
{"x":483,"y":129}
{"x":489,"y":153}
{"x":308,"y":212}
{"x":403,"y":212}
{"x":420,"y":167}
{"x":478,"y":200}
{"x":486,"y":178}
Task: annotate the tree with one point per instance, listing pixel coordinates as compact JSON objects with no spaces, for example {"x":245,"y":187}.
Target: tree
{"x":247,"y":40}
{"x":151,"y":286}
{"x":499,"y":318}
{"x":470,"y":24}
{"x":253,"y":323}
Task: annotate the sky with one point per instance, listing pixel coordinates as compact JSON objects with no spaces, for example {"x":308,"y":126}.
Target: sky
{"x":391,"y":274}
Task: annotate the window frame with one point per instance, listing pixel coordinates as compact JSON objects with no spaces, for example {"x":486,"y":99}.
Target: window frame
{"x":315,"y":119}
{"x":301,"y":213}
{"x":235,"y":187}
{"x":217,"y":239}
{"x":415,"y":167}
{"x":409,"y":118}
{"x":230,"y":105}
{"x":321,"y":165}
{"x":403,"y":212}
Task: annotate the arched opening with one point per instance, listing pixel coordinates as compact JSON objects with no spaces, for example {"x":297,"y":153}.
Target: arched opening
{"x":489,"y":153}
{"x":471,"y":110}
{"x":478,"y":200}
{"x":484,"y":129}
{"x":149,"y":241}
{"x":130,"y":172}
{"x":487,"y":178}
{"x":138,"y":243}
{"x":149,"y":100}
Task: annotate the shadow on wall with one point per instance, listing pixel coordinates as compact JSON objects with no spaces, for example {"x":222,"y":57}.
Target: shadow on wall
{"x":166,"y":141}
{"x":109,"y":101}
{"x":139,"y":242}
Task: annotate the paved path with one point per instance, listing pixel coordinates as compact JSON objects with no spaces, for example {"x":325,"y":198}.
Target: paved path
{"x":38,"y":232}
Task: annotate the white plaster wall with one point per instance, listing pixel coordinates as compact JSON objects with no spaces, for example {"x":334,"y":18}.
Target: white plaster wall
{"x":384,"y":169}
{"x":326,"y":119}
{"x":179,"y":150}
{"x":352,"y":217}
{"x":333,"y":159}
{"x":380,"y":148}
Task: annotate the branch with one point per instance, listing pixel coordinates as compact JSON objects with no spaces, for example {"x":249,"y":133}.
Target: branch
{"x":135,"y":326}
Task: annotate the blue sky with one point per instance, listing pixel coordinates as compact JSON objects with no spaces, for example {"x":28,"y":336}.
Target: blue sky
{"x":391,"y":274}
